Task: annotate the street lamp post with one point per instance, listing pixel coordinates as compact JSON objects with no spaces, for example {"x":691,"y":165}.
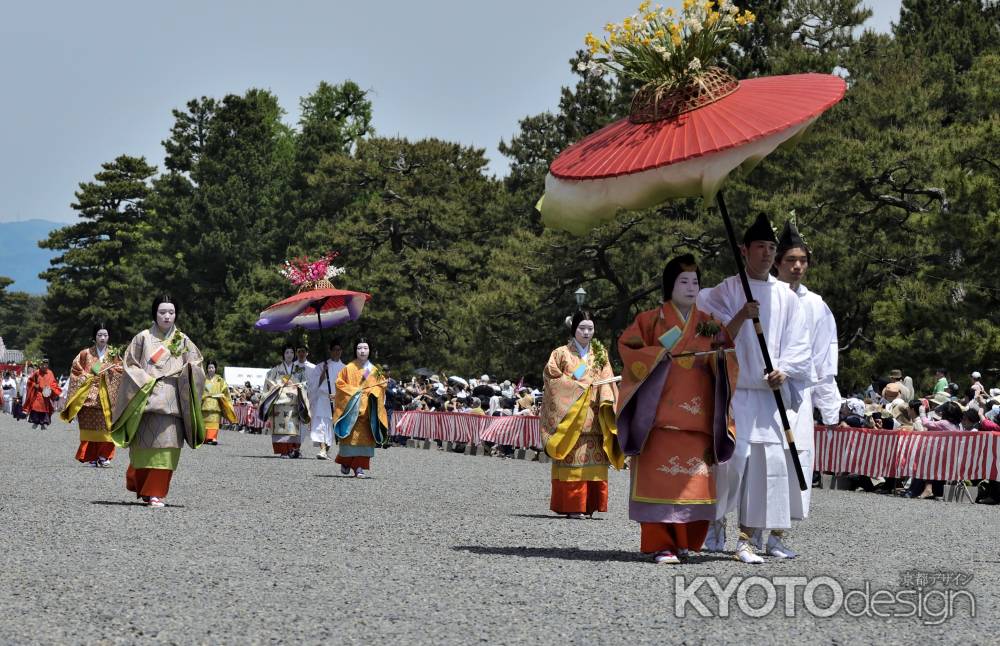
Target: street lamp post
{"x":581,"y":297}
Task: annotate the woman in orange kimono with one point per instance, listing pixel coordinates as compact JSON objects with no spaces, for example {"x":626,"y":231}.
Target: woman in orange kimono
{"x":577,"y":422}
{"x":673,"y":414}
{"x":91,"y":396}
{"x":43,"y":392}
{"x":360,"y":419}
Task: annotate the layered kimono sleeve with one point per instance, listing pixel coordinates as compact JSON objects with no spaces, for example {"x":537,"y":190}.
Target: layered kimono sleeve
{"x":133,"y":393}
{"x":190,"y":388}
{"x":569,"y":402}
{"x":374,"y":400}
{"x":82,"y":382}
{"x":347,"y":401}
{"x":646,"y":365}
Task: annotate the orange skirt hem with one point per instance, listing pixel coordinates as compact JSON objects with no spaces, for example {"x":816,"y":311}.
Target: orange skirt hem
{"x":657,"y":537}
{"x":148,"y":482}
{"x":354,"y":462}
{"x":91,"y":451}
{"x":579,"y":497}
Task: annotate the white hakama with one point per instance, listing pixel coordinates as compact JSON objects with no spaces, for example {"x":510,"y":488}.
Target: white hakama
{"x":760,"y":481}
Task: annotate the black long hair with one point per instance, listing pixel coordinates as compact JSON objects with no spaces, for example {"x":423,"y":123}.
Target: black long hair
{"x":674,"y":268}
{"x":162,"y":298}
{"x":101,"y":325}
{"x":581,"y":315}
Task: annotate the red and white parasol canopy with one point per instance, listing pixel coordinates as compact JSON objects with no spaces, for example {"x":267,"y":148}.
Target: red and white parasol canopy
{"x":630,"y":165}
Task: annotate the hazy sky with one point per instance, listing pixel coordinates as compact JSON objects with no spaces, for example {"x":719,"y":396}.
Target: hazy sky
{"x":83,"y":82}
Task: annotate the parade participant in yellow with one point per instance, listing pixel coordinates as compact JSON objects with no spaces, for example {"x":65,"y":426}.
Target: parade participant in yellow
{"x":93,"y":390}
{"x":360,"y":419}
{"x":673,"y":415}
{"x":577,"y":422}
{"x":159,"y":403}
{"x":215,"y":403}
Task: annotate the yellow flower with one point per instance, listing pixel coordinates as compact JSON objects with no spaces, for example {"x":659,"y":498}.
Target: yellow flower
{"x":712,"y":19}
{"x":669,"y":12}
{"x":627,"y":24}
{"x":610,"y":27}
{"x":676,"y":40}
{"x":659,"y":33}
{"x":643,"y":6}
{"x":613,"y":38}
{"x":688,"y":4}
{"x":646,"y":41}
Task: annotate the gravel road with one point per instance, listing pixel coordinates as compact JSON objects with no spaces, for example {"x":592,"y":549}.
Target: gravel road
{"x":435,"y":548}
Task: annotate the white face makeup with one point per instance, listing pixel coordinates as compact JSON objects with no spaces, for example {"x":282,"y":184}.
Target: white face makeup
{"x":289,"y":355}
{"x":210,"y":370}
{"x":584,"y":332}
{"x":165,"y":315}
{"x":685,"y":289}
{"x":101,"y":338}
{"x":361,"y":352}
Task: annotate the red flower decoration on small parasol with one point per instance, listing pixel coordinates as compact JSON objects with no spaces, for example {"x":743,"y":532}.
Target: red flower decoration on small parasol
{"x":318,"y":305}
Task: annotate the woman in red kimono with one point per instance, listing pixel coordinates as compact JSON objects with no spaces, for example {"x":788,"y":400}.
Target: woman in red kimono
{"x":673,"y":414}
{"x":42,"y":393}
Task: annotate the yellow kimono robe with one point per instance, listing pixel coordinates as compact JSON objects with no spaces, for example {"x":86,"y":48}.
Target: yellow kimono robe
{"x":215,"y":404}
{"x":91,"y":398}
{"x":360,"y":421}
{"x":578,"y":429}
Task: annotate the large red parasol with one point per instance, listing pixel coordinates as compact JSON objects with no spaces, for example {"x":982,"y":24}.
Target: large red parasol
{"x":683,"y":141}
{"x":629,"y":165}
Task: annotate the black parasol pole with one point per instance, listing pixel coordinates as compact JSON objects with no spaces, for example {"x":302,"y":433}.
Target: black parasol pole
{"x":760,"y":339}
{"x":326,"y":371}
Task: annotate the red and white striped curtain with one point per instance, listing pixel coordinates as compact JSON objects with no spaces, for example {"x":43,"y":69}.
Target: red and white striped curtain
{"x":927,"y":455}
{"x":520,"y":431}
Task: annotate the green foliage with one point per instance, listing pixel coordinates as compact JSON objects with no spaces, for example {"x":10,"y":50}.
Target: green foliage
{"x":896,"y":188}
{"x":108,"y":262}
{"x":21,"y":321}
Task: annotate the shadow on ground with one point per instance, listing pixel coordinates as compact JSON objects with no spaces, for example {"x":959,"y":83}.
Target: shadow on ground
{"x":564,"y":553}
{"x":130,"y":503}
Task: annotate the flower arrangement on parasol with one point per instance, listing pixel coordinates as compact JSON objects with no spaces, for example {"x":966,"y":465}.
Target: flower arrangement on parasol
{"x":690,"y":125}
{"x":318,"y":305}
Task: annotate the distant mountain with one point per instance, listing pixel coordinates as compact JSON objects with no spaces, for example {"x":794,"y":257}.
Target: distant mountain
{"x":20,"y":256}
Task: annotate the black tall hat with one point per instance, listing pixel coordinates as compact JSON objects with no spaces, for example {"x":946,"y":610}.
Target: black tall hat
{"x":761,"y":229}
{"x":790,"y":238}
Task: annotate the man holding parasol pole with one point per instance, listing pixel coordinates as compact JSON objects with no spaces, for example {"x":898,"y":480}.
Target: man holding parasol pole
{"x":759,"y":482}
{"x":690,"y":125}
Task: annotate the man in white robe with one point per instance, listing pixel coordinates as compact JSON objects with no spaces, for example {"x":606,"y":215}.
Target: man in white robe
{"x":791,"y":264}
{"x":759,"y":481}
{"x":321,"y":382}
